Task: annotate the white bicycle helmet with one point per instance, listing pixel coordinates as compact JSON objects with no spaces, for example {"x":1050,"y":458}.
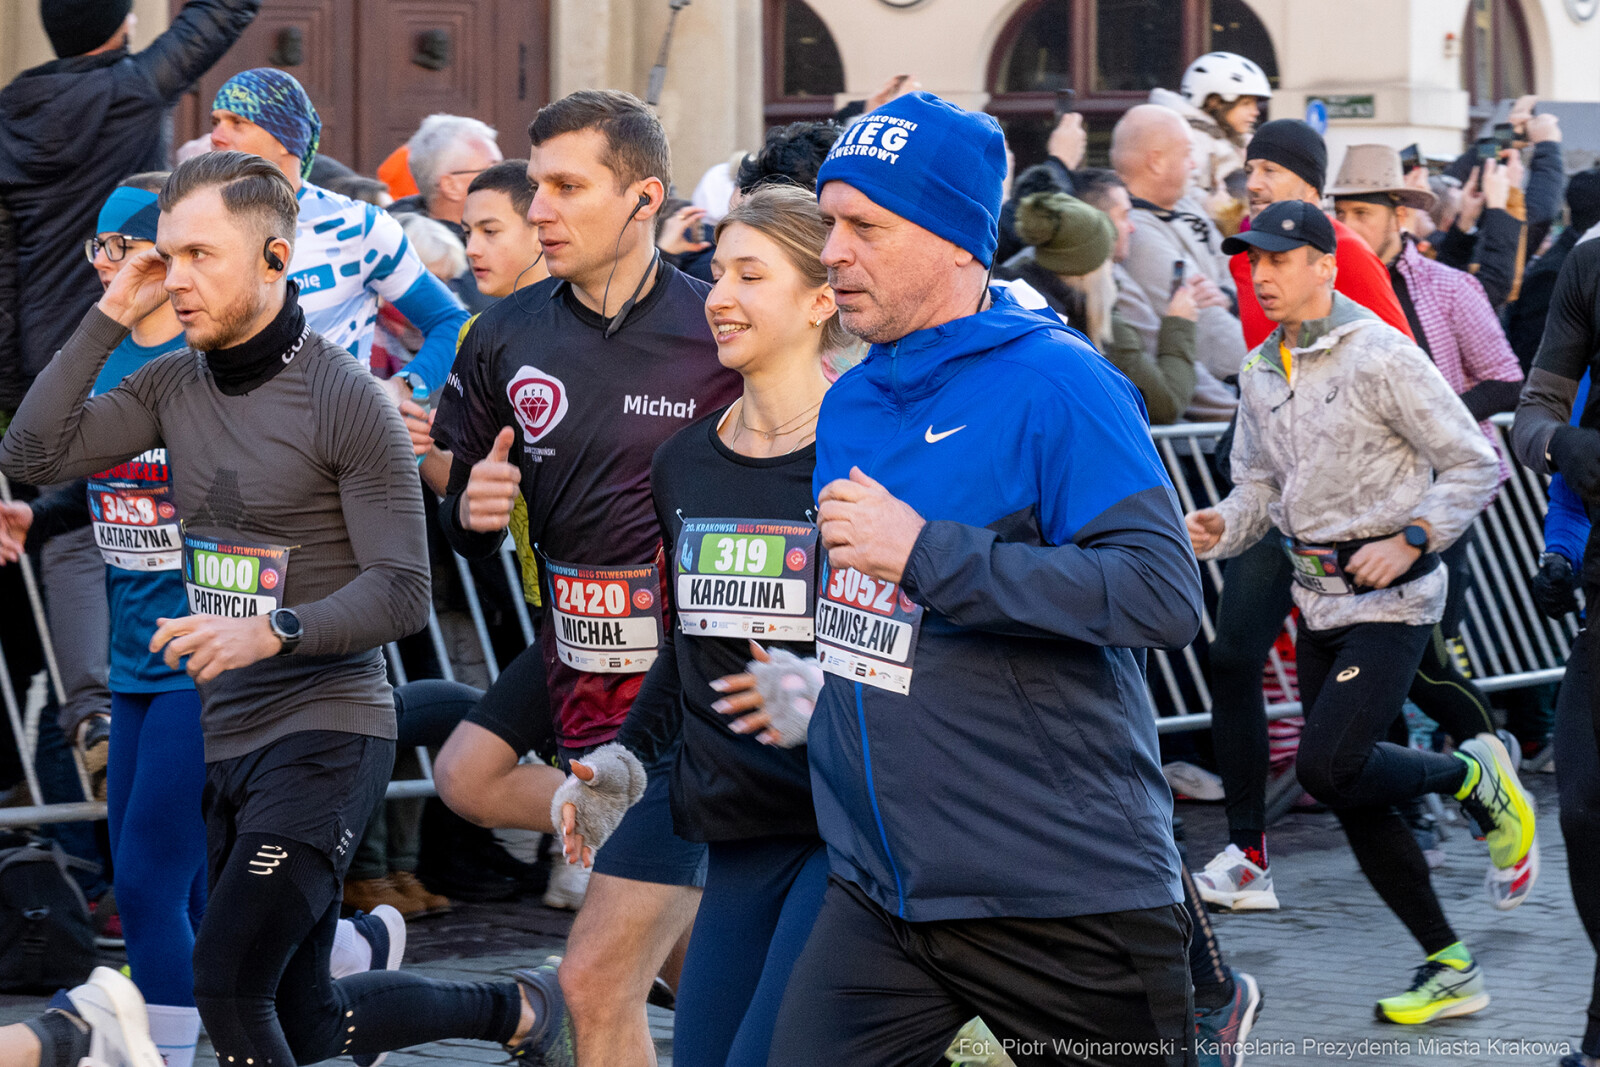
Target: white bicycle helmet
{"x":1226,"y":74}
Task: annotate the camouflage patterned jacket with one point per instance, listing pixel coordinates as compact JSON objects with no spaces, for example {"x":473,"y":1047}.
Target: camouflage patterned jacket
{"x":1361,"y":438}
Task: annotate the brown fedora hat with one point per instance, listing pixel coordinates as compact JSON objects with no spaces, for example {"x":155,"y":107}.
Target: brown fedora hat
{"x":1373,"y":171}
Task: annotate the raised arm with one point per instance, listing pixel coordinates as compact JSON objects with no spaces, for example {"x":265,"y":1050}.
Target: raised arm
{"x":199,"y":36}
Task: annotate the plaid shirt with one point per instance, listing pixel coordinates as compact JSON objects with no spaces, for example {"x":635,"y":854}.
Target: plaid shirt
{"x":1463,"y":333}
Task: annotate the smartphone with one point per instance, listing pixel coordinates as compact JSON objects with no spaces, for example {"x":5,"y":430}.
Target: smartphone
{"x":1487,"y":148}
{"x":1065,"y":102}
{"x":1178,"y":269}
{"x":1410,"y":158}
{"x":1504,"y":135}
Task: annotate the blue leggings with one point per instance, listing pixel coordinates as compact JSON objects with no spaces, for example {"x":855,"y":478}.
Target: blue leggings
{"x":154,"y":776}
{"x":761,"y":898}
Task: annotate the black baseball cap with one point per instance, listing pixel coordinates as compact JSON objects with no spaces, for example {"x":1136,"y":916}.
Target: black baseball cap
{"x":1282,"y":226}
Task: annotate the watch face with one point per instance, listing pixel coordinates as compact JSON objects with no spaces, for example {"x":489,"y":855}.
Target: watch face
{"x":287,"y":623}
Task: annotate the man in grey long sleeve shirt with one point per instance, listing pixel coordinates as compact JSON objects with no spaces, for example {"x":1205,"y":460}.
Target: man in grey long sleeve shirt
{"x":303,"y":551}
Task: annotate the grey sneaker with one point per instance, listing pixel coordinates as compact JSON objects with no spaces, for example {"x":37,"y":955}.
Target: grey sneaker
{"x":551,"y":1042}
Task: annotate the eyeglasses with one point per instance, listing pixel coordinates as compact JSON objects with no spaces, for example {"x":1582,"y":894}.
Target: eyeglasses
{"x":116,"y":247}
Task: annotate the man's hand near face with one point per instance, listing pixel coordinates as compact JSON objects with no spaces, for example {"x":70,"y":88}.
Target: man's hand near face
{"x":138,"y":289}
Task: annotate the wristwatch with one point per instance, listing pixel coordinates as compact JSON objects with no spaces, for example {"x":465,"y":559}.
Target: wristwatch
{"x":1416,"y":537}
{"x":287,"y":628}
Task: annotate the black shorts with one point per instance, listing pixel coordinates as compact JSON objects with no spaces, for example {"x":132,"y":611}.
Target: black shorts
{"x":317,"y":787}
{"x":516,"y":708}
{"x":871,"y":989}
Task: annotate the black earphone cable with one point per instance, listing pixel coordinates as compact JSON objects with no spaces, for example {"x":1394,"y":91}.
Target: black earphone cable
{"x":644,"y":201}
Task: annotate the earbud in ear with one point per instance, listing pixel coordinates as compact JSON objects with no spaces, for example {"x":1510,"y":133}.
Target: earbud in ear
{"x":274,"y":260}
{"x":644,"y":201}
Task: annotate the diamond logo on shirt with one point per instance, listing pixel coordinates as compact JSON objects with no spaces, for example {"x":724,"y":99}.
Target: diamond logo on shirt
{"x":538,"y":401}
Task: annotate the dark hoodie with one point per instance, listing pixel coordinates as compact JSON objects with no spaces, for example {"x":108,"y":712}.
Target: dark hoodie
{"x":70,"y":130}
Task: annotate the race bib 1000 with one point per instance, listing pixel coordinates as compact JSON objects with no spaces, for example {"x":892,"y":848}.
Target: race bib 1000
{"x":866,"y":629}
{"x":607,"y":619}
{"x":747,"y":578}
{"x":235,"y":580}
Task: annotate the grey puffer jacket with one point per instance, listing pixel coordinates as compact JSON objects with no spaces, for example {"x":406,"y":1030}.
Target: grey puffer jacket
{"x":1362,"y":438}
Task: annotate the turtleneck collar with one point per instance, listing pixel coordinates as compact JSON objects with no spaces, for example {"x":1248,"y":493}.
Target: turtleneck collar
{"x":257,"y":360}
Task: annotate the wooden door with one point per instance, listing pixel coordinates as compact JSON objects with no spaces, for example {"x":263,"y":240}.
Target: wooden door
{"x":376,"y":68}
{"x":486,"y":59}
{"x":312,"y":39}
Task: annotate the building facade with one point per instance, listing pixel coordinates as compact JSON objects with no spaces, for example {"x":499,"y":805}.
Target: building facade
{"x":1396,"y":71}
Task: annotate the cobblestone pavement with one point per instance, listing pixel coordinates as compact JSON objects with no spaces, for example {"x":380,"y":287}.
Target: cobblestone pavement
{"x":1321,"y":961}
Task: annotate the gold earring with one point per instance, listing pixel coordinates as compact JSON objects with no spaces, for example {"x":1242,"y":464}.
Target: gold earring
{"x":817,"y":324}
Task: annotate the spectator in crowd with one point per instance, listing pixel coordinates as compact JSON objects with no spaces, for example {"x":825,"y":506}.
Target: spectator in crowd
{"x":395,"y":172}
{"x":1150,"y":150}
{"x":1221,"y":97}
{"x":444,"y":155}
{"x":1288,"y":160}
{"x":1448,"y":312}
{"x":437,"y":246}
{"x":791,"y":154}
{"x":69,"y":131}
{"x":1065,"y":149}
{"x":1070,"y":261}
{"x":713,"y":193}
{"x":1102,"y":189}
{"x":360,"y":187}
{"x":347,"y":254}
{"x":1525,"y":319}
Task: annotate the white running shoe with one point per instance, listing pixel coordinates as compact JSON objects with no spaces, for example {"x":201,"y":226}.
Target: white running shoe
{"x":568,"y":884}
{"x":1196,"y":783}
{"x":1510,"y":887}
{"x":119,"y":1029}
{"x":1231,"y":881}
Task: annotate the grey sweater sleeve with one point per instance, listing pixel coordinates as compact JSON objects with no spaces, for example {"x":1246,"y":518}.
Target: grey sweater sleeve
{"x":60,"y":433}
{"x":364,"y":442}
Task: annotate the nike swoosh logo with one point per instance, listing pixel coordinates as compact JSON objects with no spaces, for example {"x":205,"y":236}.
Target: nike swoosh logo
{"x":934,"y":438}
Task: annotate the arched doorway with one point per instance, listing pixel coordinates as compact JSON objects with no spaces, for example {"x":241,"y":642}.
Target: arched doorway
{"x":1496,"y":57}
{"x":803,"y":68}
{"x":1111,"y":53}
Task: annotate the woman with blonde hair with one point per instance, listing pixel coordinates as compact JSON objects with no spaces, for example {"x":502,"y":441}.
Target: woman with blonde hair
{"x":733,"y":493}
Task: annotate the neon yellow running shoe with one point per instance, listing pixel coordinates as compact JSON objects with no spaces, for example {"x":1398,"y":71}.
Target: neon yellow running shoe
{"x":1449,"y":984}
{"x":1496,"y":801}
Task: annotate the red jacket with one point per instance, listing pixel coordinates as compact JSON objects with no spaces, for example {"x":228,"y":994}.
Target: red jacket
{"x":1362,"y":277}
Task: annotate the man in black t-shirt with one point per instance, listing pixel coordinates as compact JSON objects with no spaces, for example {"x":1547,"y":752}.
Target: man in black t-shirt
{"x":564,"y":392}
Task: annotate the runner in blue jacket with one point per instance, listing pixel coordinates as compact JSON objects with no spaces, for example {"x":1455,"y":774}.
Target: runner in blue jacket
{"x":1002,"y":541}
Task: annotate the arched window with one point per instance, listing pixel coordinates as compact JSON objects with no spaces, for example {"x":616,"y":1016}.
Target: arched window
{"x":803,"y":69}
{"x":1111,"y":53}
{"x":1496,"y":61}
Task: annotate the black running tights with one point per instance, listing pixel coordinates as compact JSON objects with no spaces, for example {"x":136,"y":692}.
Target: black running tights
{"x":1353,"y":680}
{"x":261,"y":973}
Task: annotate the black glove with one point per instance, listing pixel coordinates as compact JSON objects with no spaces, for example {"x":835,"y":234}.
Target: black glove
{"x":1576,"y":454}
{"x":1554,"y":588}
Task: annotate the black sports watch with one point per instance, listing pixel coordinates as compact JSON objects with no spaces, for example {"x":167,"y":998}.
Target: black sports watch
{"x":1416,"y":537}
{"x":287,"y":628}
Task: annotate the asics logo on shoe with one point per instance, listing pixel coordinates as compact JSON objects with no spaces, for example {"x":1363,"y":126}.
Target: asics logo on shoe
{"x":267,"y":857}
{"x":934,"y":438}
{"x":1348,"y":673}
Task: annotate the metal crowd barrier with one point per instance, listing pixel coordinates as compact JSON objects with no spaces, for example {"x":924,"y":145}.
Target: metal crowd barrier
{"x":1509,"y":644}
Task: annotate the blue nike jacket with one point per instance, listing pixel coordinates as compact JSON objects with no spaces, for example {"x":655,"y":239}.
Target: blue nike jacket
{"x":1021,"y":775}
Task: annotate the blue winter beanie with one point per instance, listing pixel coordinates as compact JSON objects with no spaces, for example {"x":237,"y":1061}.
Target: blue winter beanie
{"x":277,"y":103}
{"x":931,"y":163}
{"x":130,"y":212}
